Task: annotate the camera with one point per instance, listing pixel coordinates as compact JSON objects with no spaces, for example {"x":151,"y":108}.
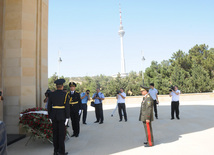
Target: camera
{"x":171,"y":88}
{"x":118,"y":92}
{"x":47,"y":93}
{"x":87,"y":92}
{"x":97,"y":95}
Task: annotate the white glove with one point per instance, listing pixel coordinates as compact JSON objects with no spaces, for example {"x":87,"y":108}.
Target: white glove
{"x":50,"y":121}
{"x":66,"y":121}
{"x":80,"y":112}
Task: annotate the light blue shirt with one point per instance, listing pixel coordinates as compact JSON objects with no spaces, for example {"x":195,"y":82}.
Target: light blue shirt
{"x":153,"y":93}
{"x":97,"y":101}
{"x":84,"y":100}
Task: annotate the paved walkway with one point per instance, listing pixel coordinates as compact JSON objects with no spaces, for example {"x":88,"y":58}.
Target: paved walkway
{"x":193,"y":134}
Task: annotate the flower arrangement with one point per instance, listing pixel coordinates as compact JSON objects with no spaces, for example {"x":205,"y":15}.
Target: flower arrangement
{"x":37,"y":123}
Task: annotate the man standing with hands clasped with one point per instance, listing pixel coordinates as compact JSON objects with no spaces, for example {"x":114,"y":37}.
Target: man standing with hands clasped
{"x":154,"y":94}
{"x":75,"y":108}
{"x":146,"y":115}
{"x":58,"y":112}
{"x":121,"y":104}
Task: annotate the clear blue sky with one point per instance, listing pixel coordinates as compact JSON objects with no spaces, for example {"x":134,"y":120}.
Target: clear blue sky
{"x":87,"y":33}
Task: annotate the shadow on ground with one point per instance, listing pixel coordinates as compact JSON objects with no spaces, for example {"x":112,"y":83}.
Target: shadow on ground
{"x":114,"y":137}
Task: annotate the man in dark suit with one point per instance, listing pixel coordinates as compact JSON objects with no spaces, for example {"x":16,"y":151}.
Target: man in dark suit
{"x":75,"y":108}
{"x":58,"y":112}
{"x":146,"y":115}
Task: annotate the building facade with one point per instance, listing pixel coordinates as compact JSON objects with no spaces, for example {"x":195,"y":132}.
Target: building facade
{"x":23,"y":57}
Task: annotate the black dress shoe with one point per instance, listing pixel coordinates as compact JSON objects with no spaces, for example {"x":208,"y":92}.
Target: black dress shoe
{"x":125,"y":120}
{"x":145,"y":143}
{"x":66,"y":153}
{"x":85,"y":123}
{"x":157,"y":117}
{"x":101,"y":123}
{"x":120,"y":120}
{"x":96,"y":122}
{"x":73,"y":135}
{"x":76,"y":135}
{"x":172,"y":118}
{"x":178,"y":118}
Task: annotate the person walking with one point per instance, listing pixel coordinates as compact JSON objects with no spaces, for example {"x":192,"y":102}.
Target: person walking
{"x":154,"y":95}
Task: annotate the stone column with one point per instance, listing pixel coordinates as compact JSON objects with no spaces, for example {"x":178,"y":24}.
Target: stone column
{"x":1,"y":46}
{"x":25,"y":56}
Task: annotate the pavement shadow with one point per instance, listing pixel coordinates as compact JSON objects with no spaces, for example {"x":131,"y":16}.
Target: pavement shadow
{"x":114,"y":137}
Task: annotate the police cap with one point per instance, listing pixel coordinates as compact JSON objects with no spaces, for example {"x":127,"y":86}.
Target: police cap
{"x":59,"y":82}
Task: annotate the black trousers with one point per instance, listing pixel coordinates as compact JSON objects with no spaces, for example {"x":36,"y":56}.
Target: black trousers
{"x":155,"y":108}
{"x":99,"y":112}
{"x":59,"y":136}
{"x":122,"y":107}
{"x":175,"y":109}
{"x":75,"y":119}
{"x":84,"y":109}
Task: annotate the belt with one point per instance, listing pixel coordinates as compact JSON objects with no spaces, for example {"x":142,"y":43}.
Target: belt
{"x":74,"y":102}
{"x":58,"y":107}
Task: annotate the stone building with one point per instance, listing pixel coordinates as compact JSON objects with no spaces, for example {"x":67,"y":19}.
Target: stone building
{"x":23,"y":57}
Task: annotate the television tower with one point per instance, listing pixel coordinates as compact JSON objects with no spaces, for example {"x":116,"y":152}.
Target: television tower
{"x":121,"y":33}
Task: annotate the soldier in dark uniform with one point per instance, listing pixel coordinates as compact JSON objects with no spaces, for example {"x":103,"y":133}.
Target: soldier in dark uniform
{"x":146,"y":115}
{"x":58,"y":112}
{"x":75,"y":108}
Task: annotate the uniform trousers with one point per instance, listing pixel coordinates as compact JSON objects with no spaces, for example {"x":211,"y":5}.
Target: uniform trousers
{"x":59,"y":136}
{"x":149,"y":133}
{"x":74,"y":113}
{"x":99,"y":112}
{"x":175,"y":109}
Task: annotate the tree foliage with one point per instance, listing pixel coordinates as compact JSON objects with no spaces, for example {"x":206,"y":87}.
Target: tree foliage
{"x":192,"y":72}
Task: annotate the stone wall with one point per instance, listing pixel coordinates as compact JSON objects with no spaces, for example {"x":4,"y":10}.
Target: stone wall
{"x":25,"y":57}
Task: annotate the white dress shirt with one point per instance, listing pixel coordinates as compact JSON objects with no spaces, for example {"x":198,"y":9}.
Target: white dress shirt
{"x":120,"y":99}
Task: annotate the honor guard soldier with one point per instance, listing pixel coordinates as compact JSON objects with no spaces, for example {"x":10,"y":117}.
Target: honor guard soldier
{"x":75,"y":108}
{"x":146,"y":115}
{"x":58,"y":112}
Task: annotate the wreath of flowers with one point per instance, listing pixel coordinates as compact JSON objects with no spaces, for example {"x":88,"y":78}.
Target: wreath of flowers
{"x":37,"y":124}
